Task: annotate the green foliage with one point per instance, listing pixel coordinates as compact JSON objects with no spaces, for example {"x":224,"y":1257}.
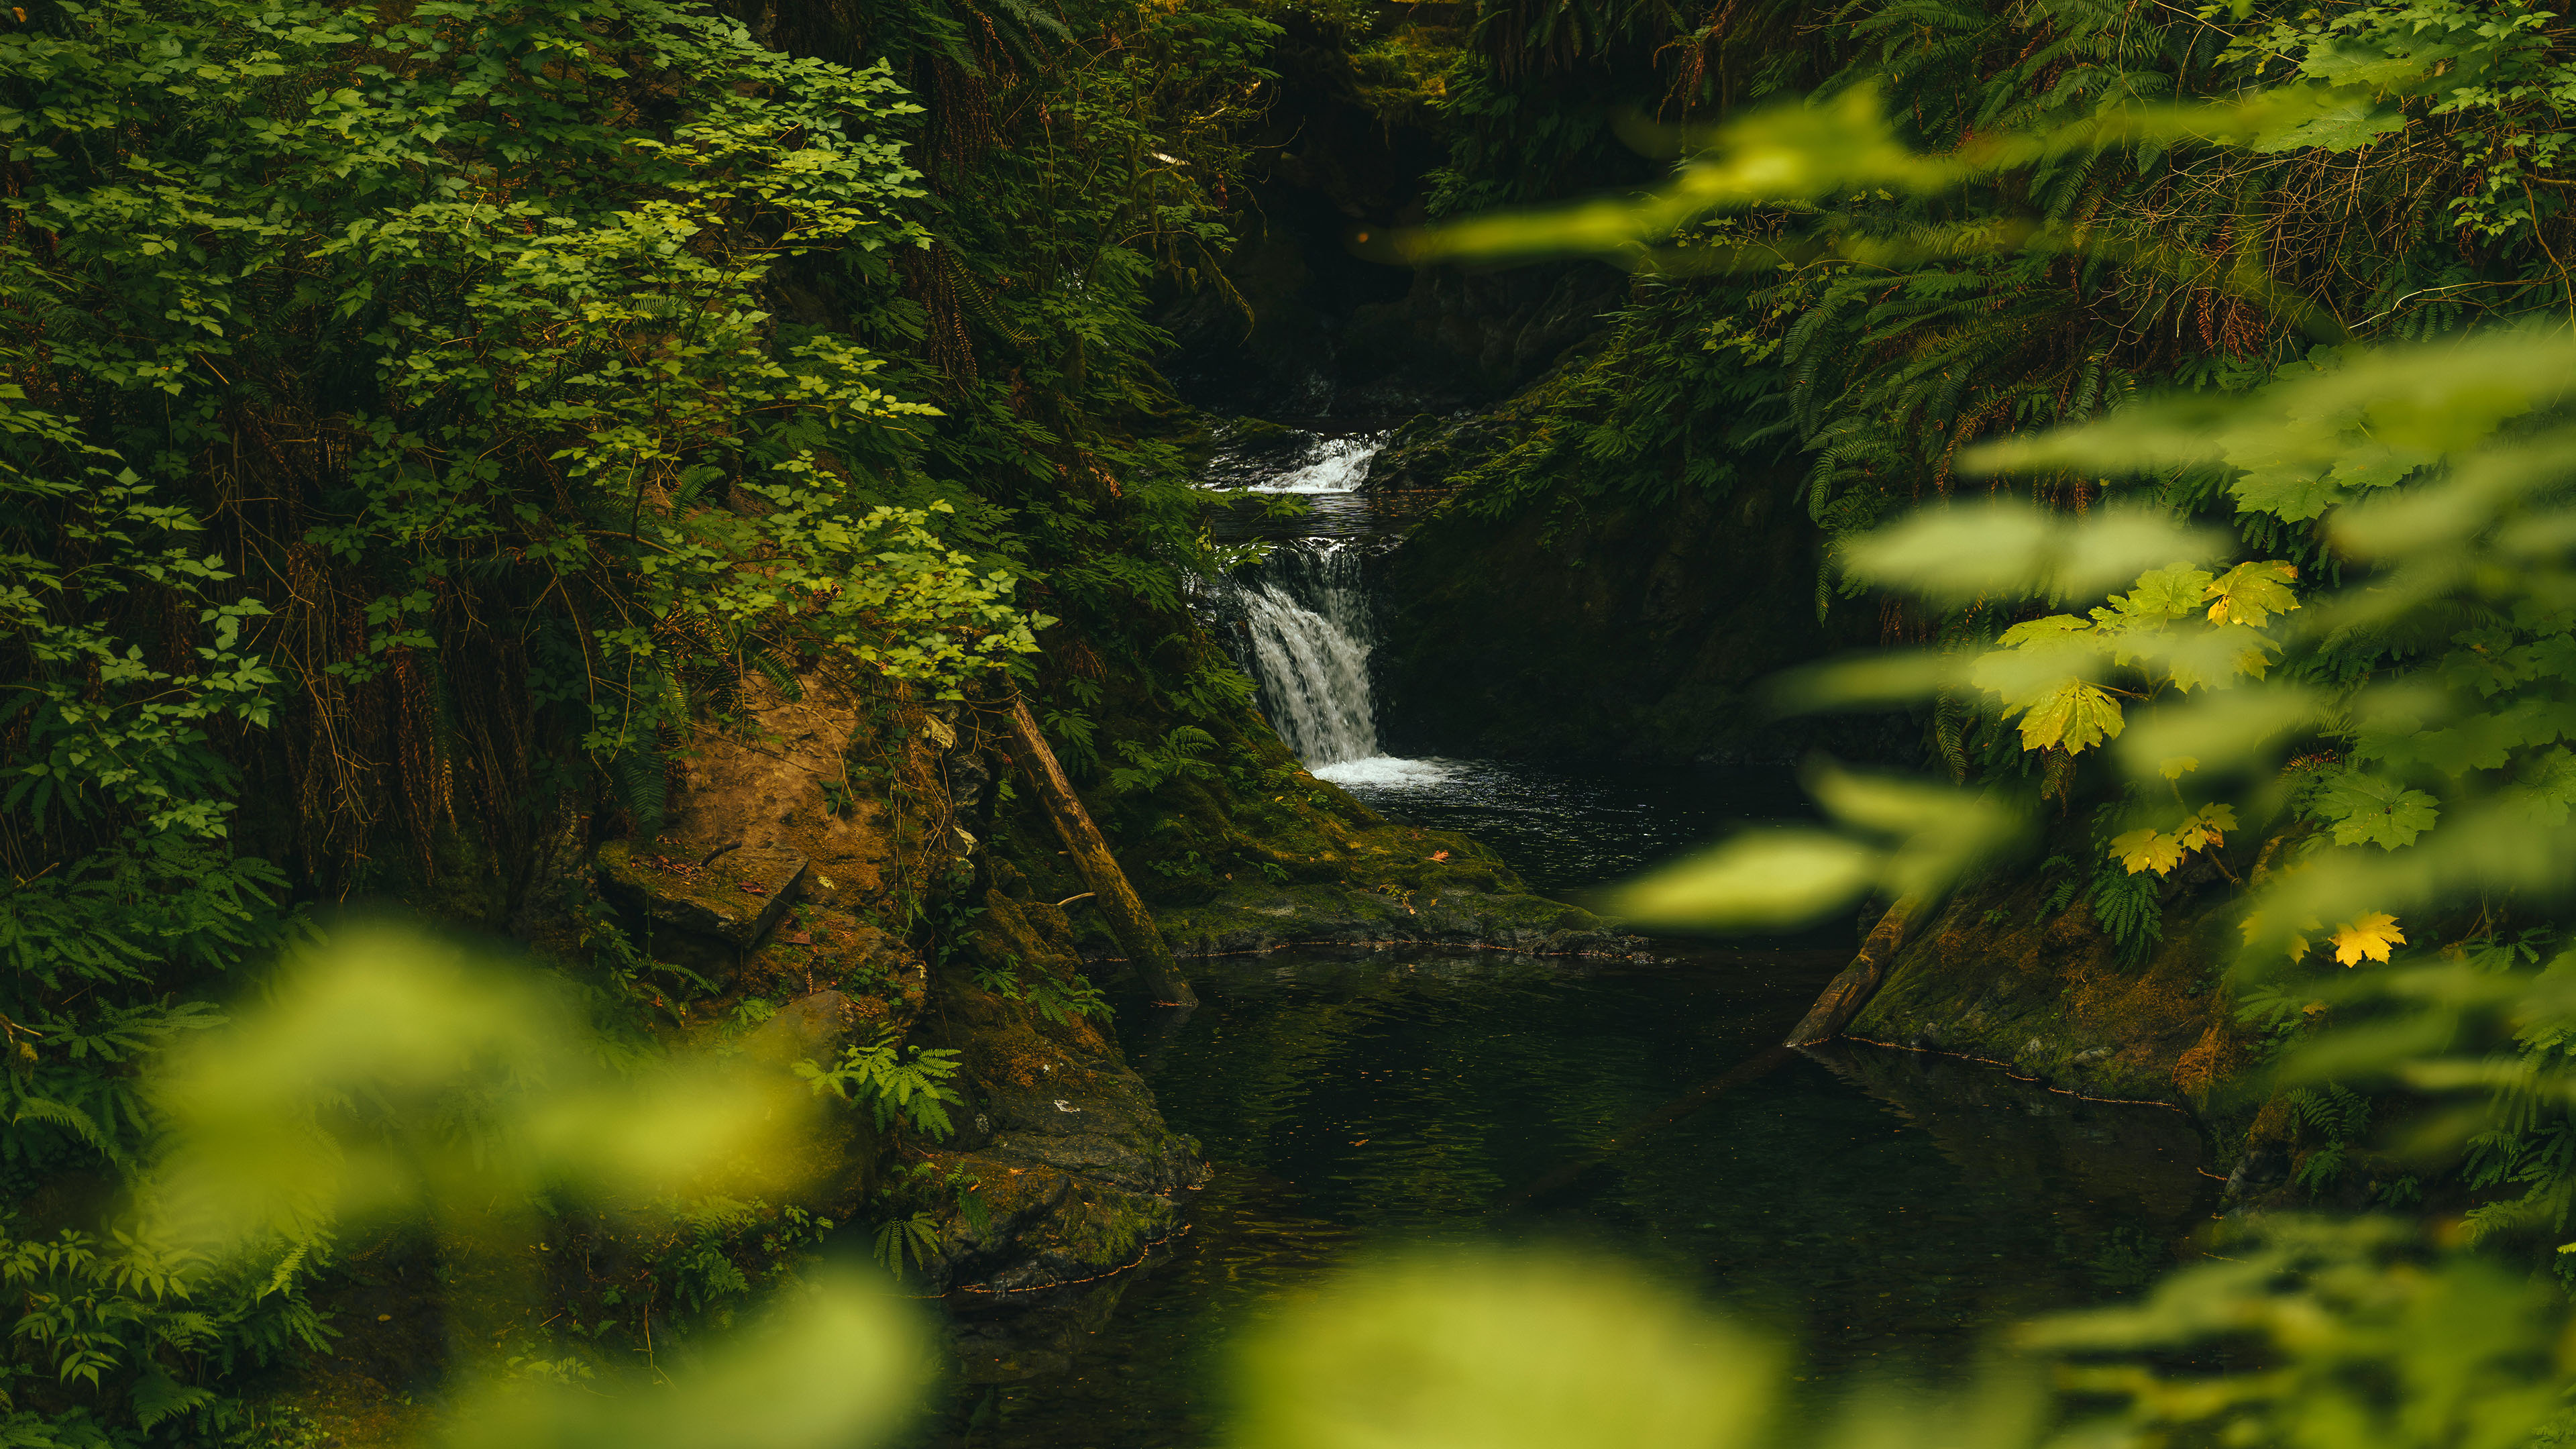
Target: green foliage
{"x":2333,"y":1118}
{"x":1179,"y":755}
{"x":2367,"y":676}
{"x":387,"y":1080}
{"x":915,"y":1194}
{"x":1057,"y":1001}
{"x":421,"y":418}
{"x":2130,"y":909}
{"x":896,"y":1089}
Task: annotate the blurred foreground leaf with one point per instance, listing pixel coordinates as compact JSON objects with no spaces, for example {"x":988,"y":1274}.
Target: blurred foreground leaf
{"x":833,"y":1366}
{"x":1502,"y":1352}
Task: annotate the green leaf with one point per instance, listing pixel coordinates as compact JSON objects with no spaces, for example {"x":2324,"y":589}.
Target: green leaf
{"x":2369,"y":810}
{"x":2161,"y":594}
{"x":2074,"y":717}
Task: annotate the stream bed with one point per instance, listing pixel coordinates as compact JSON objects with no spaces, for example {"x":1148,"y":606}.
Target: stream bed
{"x":1884,"y":1210}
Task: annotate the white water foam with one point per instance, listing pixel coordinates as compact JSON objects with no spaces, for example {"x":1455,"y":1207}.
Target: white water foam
{"x":1308,"y":629}
{"x":1386,"y":772}
{"x":1330,"y":465}
{"x":1306,"y":632}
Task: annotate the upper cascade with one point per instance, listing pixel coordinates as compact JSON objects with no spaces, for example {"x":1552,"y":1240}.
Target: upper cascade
{"x":1327,"y":465}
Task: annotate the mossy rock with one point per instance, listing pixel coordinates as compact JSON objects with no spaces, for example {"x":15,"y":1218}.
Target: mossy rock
{"x":1994,"y":977}
{"x":709,"y":912}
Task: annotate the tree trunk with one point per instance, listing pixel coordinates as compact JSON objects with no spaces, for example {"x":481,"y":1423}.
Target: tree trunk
{"x":1847,"y":993}
{"x":1127,"y":918}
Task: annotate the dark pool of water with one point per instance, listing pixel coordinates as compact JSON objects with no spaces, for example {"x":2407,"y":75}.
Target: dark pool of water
{"x":1877,"y":1206}
{"x":1570,"y":830}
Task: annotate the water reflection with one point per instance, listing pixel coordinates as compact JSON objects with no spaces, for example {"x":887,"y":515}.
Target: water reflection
{"x":1875,"y":1205}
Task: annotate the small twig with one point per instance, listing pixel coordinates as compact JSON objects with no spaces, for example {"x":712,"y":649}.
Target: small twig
{"x":1069,"y":900}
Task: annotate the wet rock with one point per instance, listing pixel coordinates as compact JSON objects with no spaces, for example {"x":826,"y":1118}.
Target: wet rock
{"x":831,"y":948}
{"x":1998,"y":976}
{"x":2265,"y":1165}
{"x":1077,"y":1173}
{"x":1079,"y":1179}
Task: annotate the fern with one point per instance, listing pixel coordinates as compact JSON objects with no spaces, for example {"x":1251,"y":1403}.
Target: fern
{"x":1178,"y":755}
{"x":2130,"y":909}
{"x":912,"y":1092}
{"x":642,"y":778}
{"x":913,"y":1237}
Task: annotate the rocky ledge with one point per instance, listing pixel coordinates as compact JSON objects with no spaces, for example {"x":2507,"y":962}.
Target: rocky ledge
{"x":1249,"y":917}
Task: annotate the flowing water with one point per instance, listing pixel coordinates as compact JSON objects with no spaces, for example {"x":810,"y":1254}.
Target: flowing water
{"x":1881,"y":1209}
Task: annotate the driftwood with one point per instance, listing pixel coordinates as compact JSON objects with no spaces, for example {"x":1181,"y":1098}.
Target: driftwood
{"x":1847,"y":993}
{"x":1128,"y":920}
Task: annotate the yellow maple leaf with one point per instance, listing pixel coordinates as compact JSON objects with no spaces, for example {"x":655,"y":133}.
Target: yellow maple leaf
{"x":2251,"y":593}
{"x":2205,"y":828}
{"x":2370,"y":936}
{"x":2146,"y":850}
{"x":2160,"y":851}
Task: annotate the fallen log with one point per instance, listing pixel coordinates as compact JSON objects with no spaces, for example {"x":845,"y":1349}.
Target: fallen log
{"x":1128,"y":919}
{"x":1846,"y":994}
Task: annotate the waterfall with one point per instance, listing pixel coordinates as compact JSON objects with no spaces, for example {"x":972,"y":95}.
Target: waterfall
{"x":1301,"y":626}
{"x":1311,"y":657}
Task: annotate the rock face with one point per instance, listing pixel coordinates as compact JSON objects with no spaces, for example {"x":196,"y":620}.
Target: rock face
{"x":1993,"y":977}
{"x":1080,"y":1176}
{"x":773,"y":879}
{"x":1627,"y":630}
{"x":777,"y":788}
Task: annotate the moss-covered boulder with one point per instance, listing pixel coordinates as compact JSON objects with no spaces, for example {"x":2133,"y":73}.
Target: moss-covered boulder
{"x":702,"y":913}
{"x":1074,"y":1173}
{"x":1998,"y":976}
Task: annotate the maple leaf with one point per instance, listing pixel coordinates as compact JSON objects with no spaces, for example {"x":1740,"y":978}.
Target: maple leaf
{"x":2293,"y":491}
{"x":2205,"y":825}
{"x":2251,"y":593}
{"x":2038,"y":631}
{"x":2146,"y":850}
{"x":2177,"y":766}
{"x":2161,"y":594}
{"x":2547,"y":787}
{"x":2075,"y":716}
{"x":2160,"y":851}
{"x":2368,"y":810}
{"x":2370,"y":936}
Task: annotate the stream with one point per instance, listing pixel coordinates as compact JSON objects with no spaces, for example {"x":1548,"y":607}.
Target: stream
{"x":1883,"y":1210}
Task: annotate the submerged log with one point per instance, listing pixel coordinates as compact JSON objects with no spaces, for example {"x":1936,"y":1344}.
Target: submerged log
{"x":1128,"y":920}
{"x":1847,"y":993}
